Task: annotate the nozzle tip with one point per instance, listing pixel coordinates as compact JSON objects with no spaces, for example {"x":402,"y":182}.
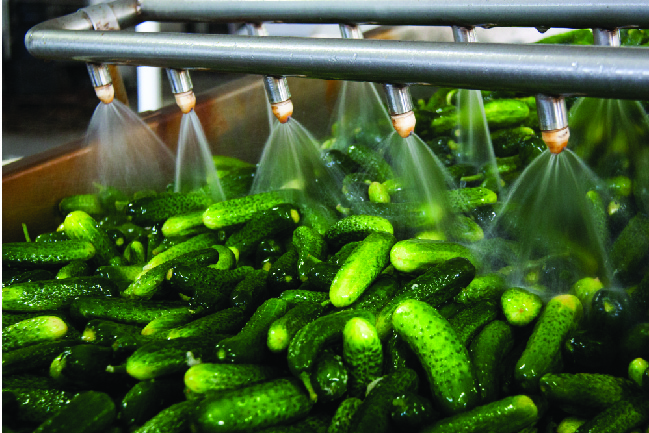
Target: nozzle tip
{"x":404,"y":123}
{"x":186,"y":101}
{"x":556,"y":140}
{"x":282,"y":110}
{"x":105,"y":93}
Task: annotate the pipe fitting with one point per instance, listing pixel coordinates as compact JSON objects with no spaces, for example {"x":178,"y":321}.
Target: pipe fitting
{"x":180,"y":81}
{"x":186,"y":101}
{"x":400,"y":108}
{"x":350,"y":31}
{"x":553,"y":121}
{"x":464,"y":34}
{"x":606,"y":38}
{"x":102,"y":82}
{"x":282,"y":110}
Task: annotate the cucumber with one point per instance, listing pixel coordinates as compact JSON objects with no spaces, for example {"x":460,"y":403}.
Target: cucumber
{"x":508,"y":415}
{"x":444,"y":358}
{"x":341,"y":255}
{"x":217,"y":289}
{"x":76,"y":268}
{"x":378,"y":193}
{"x":123,"y":310}
{"x":283,"y":274}
{"x":468,"y":199}
{"x":119,"y":274}
{"x":343,"y":416}
{"x":173,"y":419}
{"x":240,"y":210}
{"x":186,"y":224}
{"x":237,"y":183}
{"x":79,"y":226}
{"x":363,"y":354}
{"x":28,"y":276}
{"x":374,"y":298}
{"x":309,"y":244}
{"x":611,"y":312}
{"x":373,"y":415}
{"x":487,"y":351}
{"x":623,"y":416}
{"x":32,"y":358}
{"x":168,"y":321}
{"x":318,"y":216}
{"x":83,"y":365}
{"x":89,"y":203}
{"x":570,"y":424}
{"x":135,"y":253}
{"x":329,"y":377}
{"x":227,"y":260}
{"x":31,"y":331}
{"x":105,"y":332}
{"x":159,"y":207}
{"x":282,"y":330}
{"x":321,"y":275}
{"x":253,"y":407}
{"x":53,"y":294}
{"x":195,"y":243}
{"x":410,"y":412}
{"x":146,"y":398}
{"x":356,"y":228}
{"x":437,"y":285}
{"x":160,"y":358}
{"x":46,"y":253}
{"x":226,"y":321}
{"x":35,"y":405}
{"x":361,"y":268}
{"x":636,"y":370}
{"x":520,"y":306}
{"x":631,"y":248}
{"x":506,"y":142}
{"x":57,"y":236}
{"x":500,"y":113}
{"x":487,"y":287}
{"x":296,"y":297}
{"x":262,"y":224}
{"x":468,"y":322}
{"x":417,"y":255}
{"x":88,"y":412}
{"x":248,"y":346}
{"x":193,"y":280}
{"x":370,"y":162}
{"x":561,"y":314}
{"x":206,"y":377}
{"x":251,"y":292}
{"x":312,"y":338}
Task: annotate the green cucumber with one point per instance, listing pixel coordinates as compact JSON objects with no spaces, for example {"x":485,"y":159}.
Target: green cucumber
{"x":310,"y":340}
{"x":251,"y":292}
{"x":282,"y":330}
{"x":146,"y":398}
{"x":173,"y":419}
{"x":361,"y":268}
{"x":76,"y":268}
{"x":468,"y":199}
{"x":240,"y":210}
{"x":191,"y":280}
{"x":227,"y":260}
{"x":356,"y":228}
{"x":135,"y":253}
{"x":283,"y":274}
{"x":89,"y":203}
{"x":216,"y":288}
{"x":195,"y":243}
{"x":445,"y":359}
{"x":237,"y":183}
{"x":248,"y":345}
{"x":53,"y":294}
{"x":470,"y":320}
{"x":370,"y":162}
{"x":253,"y":407}
{"x":308,"y":244}
{"x":378,"y":193}
{"x":329,"y":377}
{"x":508,"y":415}
{"x":31,"y":331}
{"x":296,"y":297}
{"x":631,"y":248}
{"x":168,"y":321}
{"x":417,"y":255}
{"x":119,"y":274}
{"x":321,"y":275}
{"x":506,"y":142}
{"x":79,"y":226}
{"x":363,"y":354}
{"x":46,"y":253}
{"x":105,"y":332}
{"x":262,"y":224}
{"x":88,"y":412}
{"x":159,"y":207}
{"x":341,"y":255}
{"x":343,"y":416}
{"x":35,"y":405}
{"x":186,"y":224}
{"x":636,"y":370}
{"x":123,"y":310}
{"x":623,"y":416}
{"x":160,"y":358}
{"x":32,"y":358}
{"x":410,"y":411}
{"x":520,"y":306}
{"x":489,"y":287}
{"x":487,"y":351}
{"x":570,"y":424}
{"x":437,"y":285}
{"x":373,"y":415}
{"x":226,"y":321}
{"x":206,"y":377}
{"x":28,"y":276}
{"x":83,"y":365}
{"x":378,"y":294}
{"x":57,"y":236}
{"x":561,"y":314}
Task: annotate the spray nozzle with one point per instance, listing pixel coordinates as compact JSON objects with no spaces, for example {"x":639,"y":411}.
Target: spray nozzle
{"x":102,"y":82}
{"x":400,"y":108}
{"x":279,"y":97}
{"x":182,"y":88}
{"x":553,"y":121}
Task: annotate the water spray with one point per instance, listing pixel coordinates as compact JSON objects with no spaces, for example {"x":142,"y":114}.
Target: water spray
{"x":553,"y":122}
{"x":182,"y":88}
{"x":277,"y":90}
{"x":102,"y":82}
{"x":400,"y":108}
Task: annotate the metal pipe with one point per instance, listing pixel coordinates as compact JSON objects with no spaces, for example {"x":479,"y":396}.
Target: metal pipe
{"x":350,"y":31}
{"x":464,"y":34}
{"x":126,"y":12}
{"x":553,"y":121}
{"x":606,"y":38}
{"x":621,"y":73}
{"x":478,"y":13}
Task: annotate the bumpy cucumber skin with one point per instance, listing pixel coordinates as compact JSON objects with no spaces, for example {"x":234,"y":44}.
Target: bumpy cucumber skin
{"x":32,"y":331}
{"x":468,"y":322}
{"x":361,"y":268}
{"x":122,"y":310}
{"x":308,"y":242}
{"x":363,"y":354}
{"x":342,"y":418}
{"x":311,"y":339}
{"x":240,"y":210}
{"x":32,"y":357}
{"x":371,"y":162}
{"x":146,"y":398}
{"x":356,"y":228}
{"x":374,"y":298}
{"x":437,"y":285}
{"x":88,"y":412}
{"x":249,"y":345}
{"x":467,"y":199}
{"x":206,"y":377}
{"x":251,"y":291}
{"x":195,"y":243}
{"x":37,"y":404}
{"x":253,"y":407}
{"x":560,"y":316}
{"x":173,"y":419}
{"x":282,"y":330}
{"x":47,"y":253}
{"x":339,"y":258}
{"x":417,"y":255}
{"x":445,"y":360}
{"x":159,"y":207}
{"x":623,"y":416}
{"x":585,"y":394}
{"x":483,"y":287}
{"x":321,"y":275}
{"x":631,"y":248}
{"x":76,"y":268}
{"x":329,"y":377}
{"x":520,"y":306}
{"x":295,"y":297}
{"x":225,"y":321}
{"x":508,"y":415}
{"x":283,"y":273}
{"x":184,"y":224}
{"x":54,"y":294}
{"x":80,"y":226}
{"x":487,"y":351}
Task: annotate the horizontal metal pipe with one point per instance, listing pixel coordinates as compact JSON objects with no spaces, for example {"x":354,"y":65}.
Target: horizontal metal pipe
{"x":536,"y":68}
{"x":126,"y":13}
{"x":520,"y":13}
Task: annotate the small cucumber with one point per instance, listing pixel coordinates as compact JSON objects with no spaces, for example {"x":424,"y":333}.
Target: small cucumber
{"x":487,"y":351}
{"x":79,"y":226}
{"x":105,"y":332}
{"x":623,"y":416}
{"x":282,"y":330}
{"x":361,"y":268}
{"x":469,"y":321}
{"x":283,"y":274}
{"x":32,"y":358}
{"x":378,"y":193}
{"x":146,"y":398}
{"x":168,"y":321}
{"x":46,"y":253}
{"x":159,"y":207}
{"x":468,"y":199}
{"x":636,"y":370}
{"x":342,"y":418}
{"x":363,"y":354}
{"x":123,"y":310}
{"x":251,"y":292}
{"x":410,"y":411}
{"x":195,"y":243}
{"x":329,"y":377}
{"x":206,"y":377}
{"x":308,"y":243}
{"x":508,"y":415}
{"x":356,"y":228}
{"x":217,"y":288}
{"x":445,"y":359}
{"x":240,"y":210}
{"x":296,"y":297}
{"x":28,"y":276}
{"x":226,"y":321}
{"x":88,"y":412}
{"x":76,"y":268}
{"x":173,"y":419}
{"x":520,"y":306}
{"x":561,"y":314}
{"x":89,"y":203}
{"x":488,"y":287}
{"x":53,"y":294}
{"x":371,"y":162}
{"x":417,"y":255}
{"x":631,"y":248}
{"x":374,"y":298}
{"x":192,"y":280}
{"x":248,"y":346}
{"x":186,"y":224}
{"x":31,"y":331}
{"x":83,"y":365}
{"x":253,"y":407}
{"x":35,"y":405}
